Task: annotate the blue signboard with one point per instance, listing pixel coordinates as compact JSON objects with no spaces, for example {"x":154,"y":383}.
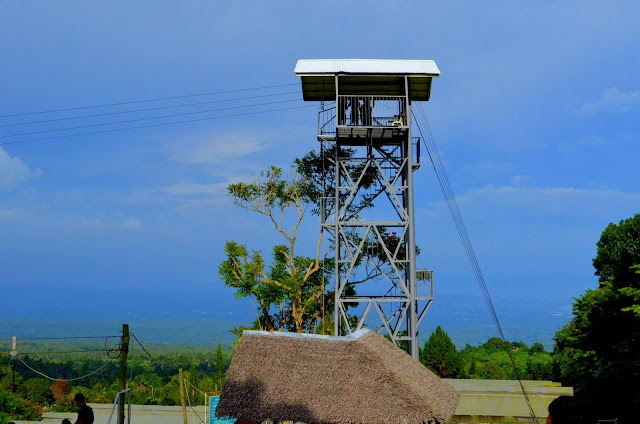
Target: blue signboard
{"x":213,"y":403}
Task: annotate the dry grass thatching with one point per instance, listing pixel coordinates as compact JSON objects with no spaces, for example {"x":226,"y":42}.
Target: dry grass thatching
{"x":361,"y":378}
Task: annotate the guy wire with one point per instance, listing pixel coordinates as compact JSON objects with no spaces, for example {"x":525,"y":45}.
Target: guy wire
{"x":452,"y":204}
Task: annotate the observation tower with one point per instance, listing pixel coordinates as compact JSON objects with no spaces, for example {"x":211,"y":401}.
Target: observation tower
{"x":368,"y":157}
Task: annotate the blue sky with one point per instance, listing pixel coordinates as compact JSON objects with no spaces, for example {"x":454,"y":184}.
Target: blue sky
{"x":535,"y":113}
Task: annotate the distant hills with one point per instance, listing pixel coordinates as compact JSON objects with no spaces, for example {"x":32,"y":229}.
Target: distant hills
{"x":202,"y":323}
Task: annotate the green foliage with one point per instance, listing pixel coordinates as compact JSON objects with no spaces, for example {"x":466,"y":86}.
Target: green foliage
{"x":598,"y":352}
{"x":220,"y":368}
{"x":39,"y":391}
{"x":491,"y":361}
{"x":286,"y":295}
{"x":150,"y":384}
{"x":440,"y":355}
{"x":326,"y":325}
{"x":318,"y":170}
{"x":14,"y":407}
{"x":618,"y":252}
{"x":291,"y":293}
{"x":237,"y":331}
{"x":319,"y":173}
{"x":632,"y":293}
{"x":488,"y":361}
{"x":537,"y":347}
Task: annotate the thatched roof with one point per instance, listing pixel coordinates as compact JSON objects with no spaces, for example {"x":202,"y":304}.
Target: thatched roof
{"x":362,"y":378}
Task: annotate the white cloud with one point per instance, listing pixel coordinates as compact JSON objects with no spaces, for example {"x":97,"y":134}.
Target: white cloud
{"x":194,"y":196}
{"x":595,"y":142}
{"x":521,"y":180}
{"x":216,"y":149}
{"x":92,"y":222}
{"x":193,"y":204}
{"x":612,"y":100}
{"x":6,"y":213}
{"x":195,"y":189}
{"x":489,"y":166}
{"x":98,"y":223}
{"x":132,"y":224}
{"x":548,"y":203}
{"x":14,"y":172}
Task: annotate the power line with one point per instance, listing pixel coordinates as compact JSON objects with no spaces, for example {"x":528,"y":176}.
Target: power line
{"x":116,"y":350}
{"x":152,"y":125}
{"x":452,"y":204}
{"x":192,"y":385}
{"x":146,"y":109}
{"x":146,"y":119}
{"x":147,"y":100}
{"x":66,"y":379}
{"x":60,"y":338}
{"x":63,"y":351}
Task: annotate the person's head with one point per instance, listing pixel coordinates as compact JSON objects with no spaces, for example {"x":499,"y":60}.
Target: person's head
{"x":569,"y":410}
{"x":66,"y":421}
{"x":79,"y":399}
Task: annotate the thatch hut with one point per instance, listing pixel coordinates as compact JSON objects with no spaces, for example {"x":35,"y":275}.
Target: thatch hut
{"x":362,"y":378}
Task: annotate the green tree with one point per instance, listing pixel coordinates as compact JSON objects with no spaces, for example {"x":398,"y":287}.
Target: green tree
{"x":193,"y":379}
{"x":598,"y":352}
{"x":537,"y":347}
{"x":38,"y":390}
{"x":319,"y":172}
{"x":16,"y":408}
{"x":440,"y":355}
{"x":493,"y":371}
{"x":291,"y":293}
{"x":491,"y":361}
{"x":219,"y":364}
{"x":632,"y":293}
{"x":538,"y":370}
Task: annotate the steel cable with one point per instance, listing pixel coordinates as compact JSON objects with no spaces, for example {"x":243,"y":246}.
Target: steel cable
{"x":146,"y":101}
{"x":145,"y":109}
{"x":66,"y":379}
{"x":452,"y":204}
{"x":151,"y":125}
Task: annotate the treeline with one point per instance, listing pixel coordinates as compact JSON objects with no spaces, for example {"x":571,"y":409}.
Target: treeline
{"x":25,"y":394}
{"x":489,"y":361}
{"x":597,"y":352}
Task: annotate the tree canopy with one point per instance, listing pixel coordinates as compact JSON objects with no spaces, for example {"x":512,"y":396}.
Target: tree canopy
{"x":440,"y":355}
{"x":290,"y":293}
{"x":598,"y":352}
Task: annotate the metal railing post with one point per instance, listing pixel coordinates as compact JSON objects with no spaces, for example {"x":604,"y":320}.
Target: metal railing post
{"x":116,"y":402}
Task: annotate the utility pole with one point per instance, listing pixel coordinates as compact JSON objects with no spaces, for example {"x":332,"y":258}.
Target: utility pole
{"x":13,"y":374}
{"x":122,"y":381}
{"x":184,"y":406}
{"x":13,"y":354}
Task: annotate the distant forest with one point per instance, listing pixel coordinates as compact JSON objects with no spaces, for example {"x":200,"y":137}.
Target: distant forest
{"x":153,"y":378}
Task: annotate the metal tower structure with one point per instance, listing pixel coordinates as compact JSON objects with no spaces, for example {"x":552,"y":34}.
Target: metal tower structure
{"x":368,"y":157}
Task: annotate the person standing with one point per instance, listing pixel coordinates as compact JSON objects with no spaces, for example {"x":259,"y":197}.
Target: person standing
{"x":85,"y":415}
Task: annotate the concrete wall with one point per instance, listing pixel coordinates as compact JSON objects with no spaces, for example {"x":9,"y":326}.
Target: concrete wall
{"x":140,"y":414}
{"x":500,"y":401}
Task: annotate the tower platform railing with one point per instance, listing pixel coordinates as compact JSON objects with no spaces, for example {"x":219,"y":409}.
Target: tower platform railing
{"x":362,"y":111}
